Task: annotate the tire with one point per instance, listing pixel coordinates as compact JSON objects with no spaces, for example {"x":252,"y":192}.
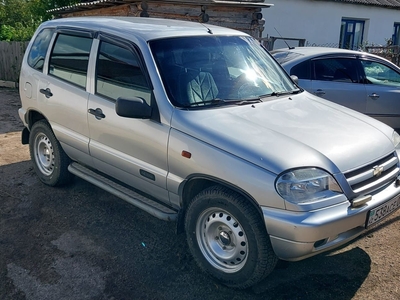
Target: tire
{"x":228,"y":239}
{"x":49,"y":159}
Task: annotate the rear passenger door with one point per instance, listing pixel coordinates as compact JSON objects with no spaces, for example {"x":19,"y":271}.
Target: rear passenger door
{"x":62,"y":94}
{"x":133,"y":151}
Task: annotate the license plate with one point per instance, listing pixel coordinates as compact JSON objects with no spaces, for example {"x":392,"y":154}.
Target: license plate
{"x":380,"y":212}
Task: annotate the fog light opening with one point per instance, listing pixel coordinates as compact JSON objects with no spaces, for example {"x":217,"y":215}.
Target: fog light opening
{"x":320,"y":243}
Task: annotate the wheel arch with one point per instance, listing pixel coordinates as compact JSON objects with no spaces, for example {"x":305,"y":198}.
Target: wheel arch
{"x":197,"y":183}
{"x":31,"y":118}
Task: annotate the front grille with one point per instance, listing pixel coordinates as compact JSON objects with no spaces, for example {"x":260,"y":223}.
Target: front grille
{"x":373,"y":176}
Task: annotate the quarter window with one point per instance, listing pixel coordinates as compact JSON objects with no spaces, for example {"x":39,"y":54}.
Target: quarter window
{"x":69,"y":59}
{"x":336,"y":69}
{"x":377,"y":73}
{"x":351,"y":34}
{"x":37,"y":53}
{"x":118,"y":74}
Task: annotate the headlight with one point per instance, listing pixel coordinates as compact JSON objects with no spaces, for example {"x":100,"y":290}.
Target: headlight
{"x":396,"y":140}
{"x":307,"y":185}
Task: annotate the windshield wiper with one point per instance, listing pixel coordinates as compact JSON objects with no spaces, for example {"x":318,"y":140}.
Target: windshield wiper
{"x":212,"y":102}
{"x":291,"y":92}
{"x":217,"y":102}
{"x":244,"y":101}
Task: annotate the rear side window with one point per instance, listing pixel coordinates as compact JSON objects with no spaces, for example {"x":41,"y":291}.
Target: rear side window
{"x":336,"y":69}
{"x":118,"y":74}
{"x":37,"y":53}
{"x":69,"y":59}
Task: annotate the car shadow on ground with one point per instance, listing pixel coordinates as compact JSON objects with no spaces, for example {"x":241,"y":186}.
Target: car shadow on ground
{"x":78,"y":236}
{"x":325,"y":276}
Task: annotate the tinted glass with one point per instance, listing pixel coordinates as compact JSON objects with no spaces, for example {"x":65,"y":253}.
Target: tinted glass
{"x":202,"y":70}
{"x":118,"y":74}
{"x":69,"y":59}
{"x":336,"y":69}
{"x":283,"y":57}
{"x":302,"y":70}
{"x":377,"y":73}
{"x":38,"y":51}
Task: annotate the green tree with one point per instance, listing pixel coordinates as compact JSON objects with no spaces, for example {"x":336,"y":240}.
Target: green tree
{"x":20,"y":18}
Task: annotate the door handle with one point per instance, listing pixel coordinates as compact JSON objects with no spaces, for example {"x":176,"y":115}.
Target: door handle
{"x":374,"y":96}
{"x":320,"y":92}
{"x":47,"y":92}
{"x":98,"y":113}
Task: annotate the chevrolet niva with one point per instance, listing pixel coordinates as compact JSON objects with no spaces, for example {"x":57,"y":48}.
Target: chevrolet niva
{"x":198,"y":124}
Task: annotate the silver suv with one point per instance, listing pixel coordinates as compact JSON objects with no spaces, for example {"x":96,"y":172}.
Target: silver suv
{"x":198,"y":124}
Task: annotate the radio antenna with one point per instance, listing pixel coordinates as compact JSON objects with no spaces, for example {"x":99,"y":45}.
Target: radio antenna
{"x":290,"y":48}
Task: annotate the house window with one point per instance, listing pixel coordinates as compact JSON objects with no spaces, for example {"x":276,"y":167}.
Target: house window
{"x":351,"y":34}
{"x":396,"y":34}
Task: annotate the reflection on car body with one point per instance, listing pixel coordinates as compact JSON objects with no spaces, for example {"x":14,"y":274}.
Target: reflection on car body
{"x":198,"y":124}
{"x":361,"y":81}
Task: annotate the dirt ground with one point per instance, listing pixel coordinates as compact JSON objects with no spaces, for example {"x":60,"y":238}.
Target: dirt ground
{"x":78,"y":242}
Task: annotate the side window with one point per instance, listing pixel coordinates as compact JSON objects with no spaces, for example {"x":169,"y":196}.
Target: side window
{"x":69,"y":58}
{"x":118,"y":74}
{"x":302,"y":70}
{"x":336,"y":69}
{"x":377,"y":73}
{"x":37,"y":53}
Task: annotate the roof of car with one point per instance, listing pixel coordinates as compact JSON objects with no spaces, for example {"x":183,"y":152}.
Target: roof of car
{"x":309,"y":51}
{"x":295,"y":55}
{"x":146,"y":28}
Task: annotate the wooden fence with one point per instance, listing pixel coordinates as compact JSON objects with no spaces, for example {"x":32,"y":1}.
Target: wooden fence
{"x":11,"y":54}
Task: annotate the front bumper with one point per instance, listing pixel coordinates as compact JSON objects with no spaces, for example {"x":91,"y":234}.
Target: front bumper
{"x":298,"y":235}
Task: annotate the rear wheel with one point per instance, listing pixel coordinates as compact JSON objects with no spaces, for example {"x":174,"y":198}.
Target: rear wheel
{"x":49,"y":159}
{"x":228,"y":239}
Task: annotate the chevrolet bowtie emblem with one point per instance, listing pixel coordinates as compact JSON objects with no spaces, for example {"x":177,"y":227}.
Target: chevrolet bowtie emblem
{"x":378,"y":170}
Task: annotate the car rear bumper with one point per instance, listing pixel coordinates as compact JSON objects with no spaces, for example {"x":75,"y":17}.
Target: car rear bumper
{"x":22,"y":113}
{"x":298,"y":235}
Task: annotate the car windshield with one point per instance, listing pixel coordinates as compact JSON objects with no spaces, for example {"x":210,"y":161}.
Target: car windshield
{"x":284,"y":56}
{"x":205,"y":71}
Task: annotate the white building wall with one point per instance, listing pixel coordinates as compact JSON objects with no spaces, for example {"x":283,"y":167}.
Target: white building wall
{"x":319,"y":21}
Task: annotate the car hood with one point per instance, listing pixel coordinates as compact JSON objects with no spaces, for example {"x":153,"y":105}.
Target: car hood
{"x":290,"y":132}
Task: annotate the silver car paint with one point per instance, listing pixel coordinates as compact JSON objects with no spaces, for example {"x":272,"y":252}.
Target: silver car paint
{"x":245,"y":147}
{"x":288,"y":132}
{"x":378,"y":101}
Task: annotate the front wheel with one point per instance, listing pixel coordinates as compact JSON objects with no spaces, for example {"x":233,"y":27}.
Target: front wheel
{"x":228,"y":239}
{"x":49,"y":159}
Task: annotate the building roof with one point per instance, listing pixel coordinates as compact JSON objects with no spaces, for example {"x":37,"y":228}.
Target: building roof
{"x":145,"y":29}
{"x":395,"y":4}
{"x":90,"y":4}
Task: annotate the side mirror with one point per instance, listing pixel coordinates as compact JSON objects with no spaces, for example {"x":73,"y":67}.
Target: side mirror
{"x":295,"y":78}
{"x":134,"y":107}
